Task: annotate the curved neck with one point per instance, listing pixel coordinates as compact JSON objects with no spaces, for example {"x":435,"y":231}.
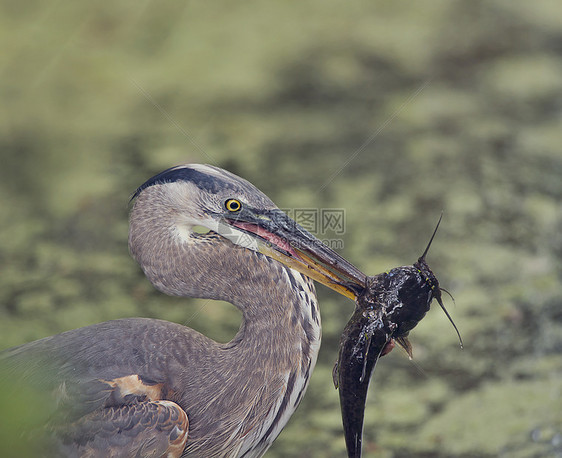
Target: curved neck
{"x":268,"y":363}
{"x":179,"y":262}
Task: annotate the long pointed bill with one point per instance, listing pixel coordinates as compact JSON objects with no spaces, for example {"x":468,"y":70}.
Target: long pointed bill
{"x":282,"y":239}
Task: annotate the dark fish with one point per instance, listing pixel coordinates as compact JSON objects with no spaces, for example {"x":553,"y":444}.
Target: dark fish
{"x":389,"y":307}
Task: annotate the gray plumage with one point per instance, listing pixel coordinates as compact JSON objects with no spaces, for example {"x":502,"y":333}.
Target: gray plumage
{"x":144,"y":387}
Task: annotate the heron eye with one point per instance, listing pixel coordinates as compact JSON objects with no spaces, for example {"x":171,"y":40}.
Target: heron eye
{"x":233,"y":205}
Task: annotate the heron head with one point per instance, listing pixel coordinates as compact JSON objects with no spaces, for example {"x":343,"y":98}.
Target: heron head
{"x":204,"y":199}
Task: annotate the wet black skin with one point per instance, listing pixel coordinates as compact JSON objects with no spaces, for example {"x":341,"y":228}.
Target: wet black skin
{"x":388,"y":308}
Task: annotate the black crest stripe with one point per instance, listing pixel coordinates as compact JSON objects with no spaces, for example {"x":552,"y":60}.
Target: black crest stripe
{"x":211,"y":184}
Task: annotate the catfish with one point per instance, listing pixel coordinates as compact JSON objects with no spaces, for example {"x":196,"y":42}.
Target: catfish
{"x":389,"y":306}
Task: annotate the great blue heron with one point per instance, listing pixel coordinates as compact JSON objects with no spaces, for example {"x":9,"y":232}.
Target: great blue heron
{"x":145,"y":387}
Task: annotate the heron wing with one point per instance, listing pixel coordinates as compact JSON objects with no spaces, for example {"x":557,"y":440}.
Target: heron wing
{"x":98,"y":377}
{"x":147,"y":429}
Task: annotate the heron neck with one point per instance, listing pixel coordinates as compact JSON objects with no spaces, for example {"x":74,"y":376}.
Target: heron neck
{"x":273,"y":299}
{"x":279,"y":309}
{"x":268,"y":363}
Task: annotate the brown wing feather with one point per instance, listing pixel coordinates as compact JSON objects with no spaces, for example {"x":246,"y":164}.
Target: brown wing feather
{"x":78,"y":398}
{"x":144,"y":429}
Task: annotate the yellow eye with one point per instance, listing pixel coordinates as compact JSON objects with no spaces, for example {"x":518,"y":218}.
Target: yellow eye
{"x":233,"y":205}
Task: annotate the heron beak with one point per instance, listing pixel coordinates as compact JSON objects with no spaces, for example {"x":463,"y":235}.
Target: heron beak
{"x":282,"y":239}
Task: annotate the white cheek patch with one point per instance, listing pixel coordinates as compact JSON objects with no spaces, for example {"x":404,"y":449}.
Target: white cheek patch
{"x":183,"y":233}
{"x":185,"y":228}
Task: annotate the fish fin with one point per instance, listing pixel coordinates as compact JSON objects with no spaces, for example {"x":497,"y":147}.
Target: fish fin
{"x":363,"y":373}
{"x":365,"y":357}
{"x":336,"y":375}
{"x":405,"y":344}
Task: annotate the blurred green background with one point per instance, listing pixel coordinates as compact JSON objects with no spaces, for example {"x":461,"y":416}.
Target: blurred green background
{"x":392,"y":111}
